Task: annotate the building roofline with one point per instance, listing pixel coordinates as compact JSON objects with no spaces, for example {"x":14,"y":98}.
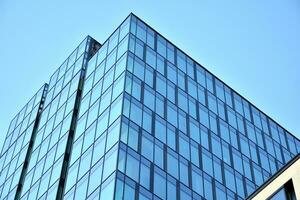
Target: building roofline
{"x":114,"y":30}
{"x":214,"y":76}
{"x":14,"y":116}
{"x":272,"y":178}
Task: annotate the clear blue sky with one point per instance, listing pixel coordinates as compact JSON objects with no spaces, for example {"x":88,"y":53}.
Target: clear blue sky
{"x":252,"y":45}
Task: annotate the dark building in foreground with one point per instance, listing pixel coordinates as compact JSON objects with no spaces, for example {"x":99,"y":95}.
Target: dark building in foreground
{"x":137,"y":118}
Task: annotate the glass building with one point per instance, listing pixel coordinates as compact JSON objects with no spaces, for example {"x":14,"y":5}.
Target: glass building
{"x":136,"y":118}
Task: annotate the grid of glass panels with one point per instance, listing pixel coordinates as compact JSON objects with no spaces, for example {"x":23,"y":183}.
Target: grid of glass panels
{"x":152,"y":124}
{"x":16,"y":145}
{"x":45,"y":164}
{"x":94,"y":152}
{"x":188,"y":135}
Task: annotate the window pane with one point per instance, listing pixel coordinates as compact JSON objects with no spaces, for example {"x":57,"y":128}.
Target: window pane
{"x":159,"y":183}
{"x":110,"y":162}
{"x":132,"y":166}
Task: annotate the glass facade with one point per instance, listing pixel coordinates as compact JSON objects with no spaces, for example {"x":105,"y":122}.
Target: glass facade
{"x":142,"y":120}
{"x":50,"y":146}
{"x":95,"y":145}
{"x":17,"y":144}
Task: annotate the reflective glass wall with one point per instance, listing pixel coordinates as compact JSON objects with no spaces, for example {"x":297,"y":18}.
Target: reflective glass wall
{"x":95,"y":146}
{"x":140,"y":119}
{"x":187,"y":135}
{"x":45,"y":165}
{"x":16,"y":144}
